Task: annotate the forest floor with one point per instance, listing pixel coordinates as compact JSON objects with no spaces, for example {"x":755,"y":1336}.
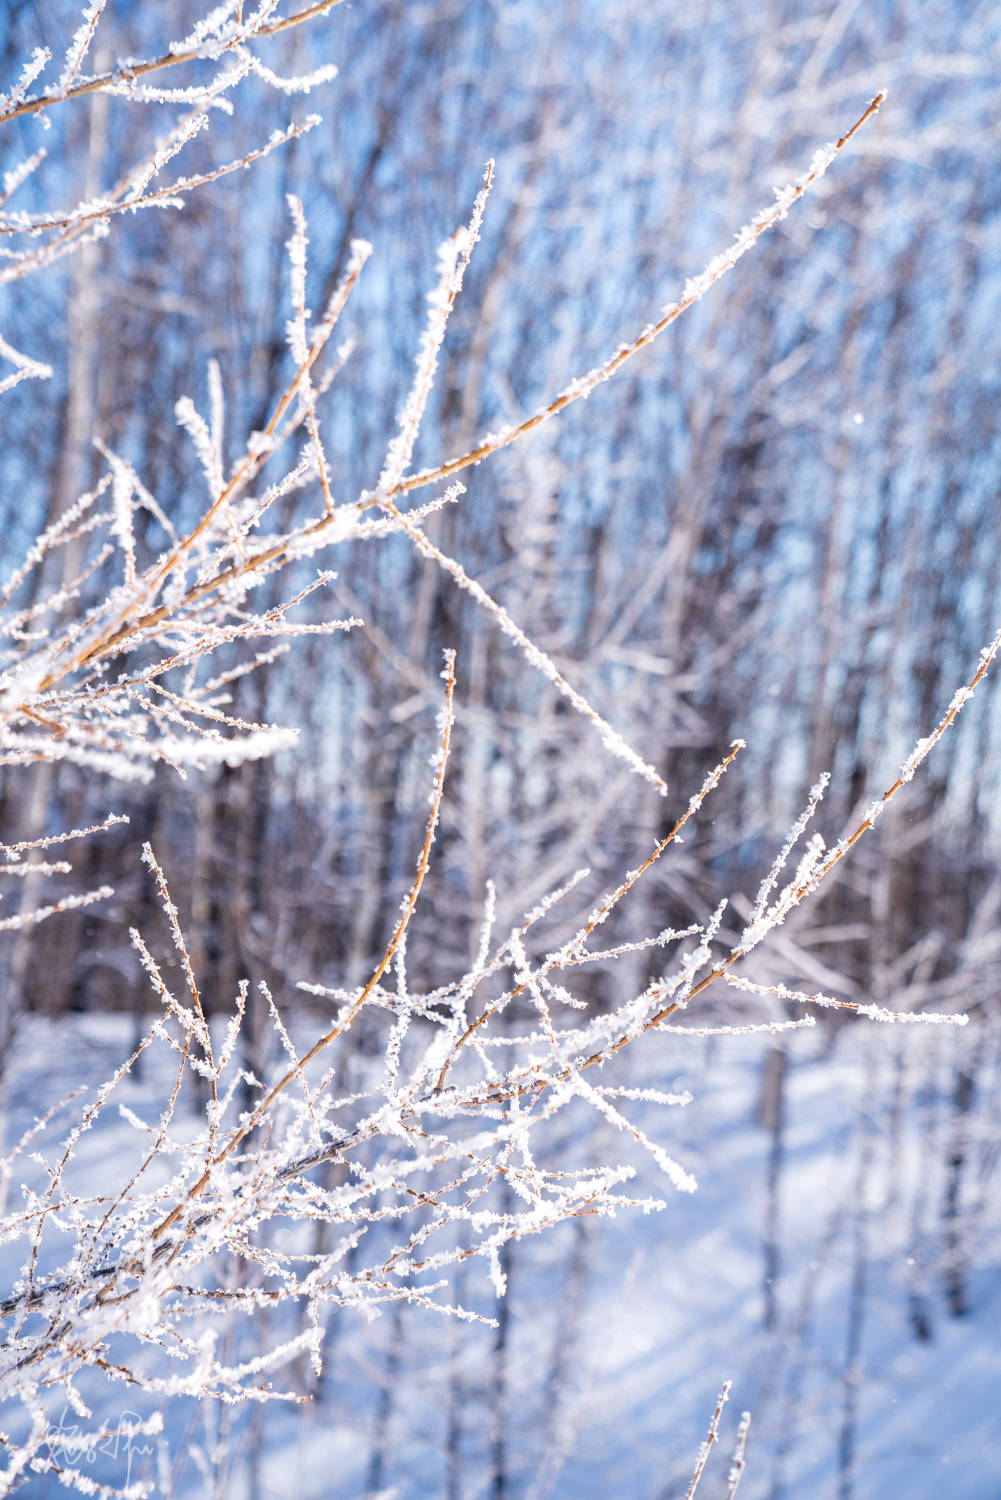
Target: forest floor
{"x":816,"y":1267}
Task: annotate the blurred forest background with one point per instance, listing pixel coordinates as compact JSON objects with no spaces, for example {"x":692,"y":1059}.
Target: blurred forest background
{"x":782,"y":523}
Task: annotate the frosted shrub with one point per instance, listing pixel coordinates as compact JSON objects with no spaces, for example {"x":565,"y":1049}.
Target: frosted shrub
{"x":208,"y":1262}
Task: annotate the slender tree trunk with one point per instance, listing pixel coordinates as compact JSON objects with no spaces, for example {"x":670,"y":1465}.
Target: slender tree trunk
{"x":457,"y":1397}
{"x":955,"y":1269}
{"x":378,"y":1461}
{"x":499,"y":1454}
{"x":772,"y":1116}
{"x":851,"y":1373}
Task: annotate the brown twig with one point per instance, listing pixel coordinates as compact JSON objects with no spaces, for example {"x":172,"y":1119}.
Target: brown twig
{"x":127,"y":74}
{"x":710,"y":1439}
{"x":604,"y":910}
{"x":409,"y":906}
{"x":581,"y":388}
{"x":521,"y":1085}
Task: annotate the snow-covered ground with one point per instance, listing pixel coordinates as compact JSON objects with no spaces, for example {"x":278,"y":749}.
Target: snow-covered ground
{"x":619,"y":1334}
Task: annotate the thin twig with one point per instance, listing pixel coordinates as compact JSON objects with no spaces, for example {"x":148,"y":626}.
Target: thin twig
{"x":583,"y":387}
{"x":409,"y":906}
{"x":126,"y":74}
{"x":738,"y":1464}
{"x":710,"y":1439}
